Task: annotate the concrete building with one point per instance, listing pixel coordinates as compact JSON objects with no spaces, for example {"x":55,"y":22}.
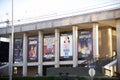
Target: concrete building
{"x":101,"y":27}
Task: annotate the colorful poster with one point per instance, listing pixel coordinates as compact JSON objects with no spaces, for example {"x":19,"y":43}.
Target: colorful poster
{"x":32,"y":49}
{"x":49,"y":47}
{"x":18,"y":50}
{"x":66,"y":46}
{"x":84,"y":44}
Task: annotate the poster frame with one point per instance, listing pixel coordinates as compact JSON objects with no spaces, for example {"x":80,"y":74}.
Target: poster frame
{"x":86,"y":36}
{"x":63,"y":48}
{"x":49,"y":53}
{"x":32,"y":55}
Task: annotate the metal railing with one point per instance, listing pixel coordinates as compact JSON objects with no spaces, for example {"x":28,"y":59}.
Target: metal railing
{"x":3,"y":65}
{"x":99,"y":63}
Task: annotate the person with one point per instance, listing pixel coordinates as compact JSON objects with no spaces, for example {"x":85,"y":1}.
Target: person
{"x":66,"y":46}
{"x":66,"y":41}
{"x":32,"y":51}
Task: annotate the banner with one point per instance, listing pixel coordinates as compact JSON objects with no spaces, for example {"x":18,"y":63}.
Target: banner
{"x":18,"y":50}
{"x":32,"y":49}
{"x":49,"y":47}
{"x":84,"y":44}
{"x":66,"y":46}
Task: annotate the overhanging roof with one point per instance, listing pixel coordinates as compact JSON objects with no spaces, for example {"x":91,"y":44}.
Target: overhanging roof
{"x":104,"y":18}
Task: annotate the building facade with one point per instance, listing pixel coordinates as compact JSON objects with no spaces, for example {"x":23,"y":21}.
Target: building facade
{"x":68,"y":41}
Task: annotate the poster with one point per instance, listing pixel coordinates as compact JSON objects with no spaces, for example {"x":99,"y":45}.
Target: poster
{"x":49,"y":47}
{"x":84,"y":44}
{"x":18,"y":50}
{"x":32,"y":49}
{"x":66,"y":46}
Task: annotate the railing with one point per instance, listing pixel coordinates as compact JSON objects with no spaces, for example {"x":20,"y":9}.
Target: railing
{"x":117,"y":74}
{"x":107,"y":72}
{"x":3,"y":65}
{"x":88,"y":62}
{"x":97,"y":63}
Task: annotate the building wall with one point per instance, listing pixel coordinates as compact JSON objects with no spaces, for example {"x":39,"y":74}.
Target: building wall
{"x":114,"y":41}
{"x":106,"y":35}
{"x":17,"y":71}
{"x":32,"y":71}
{"x":4,"y":71}
{"x":105,"y":44}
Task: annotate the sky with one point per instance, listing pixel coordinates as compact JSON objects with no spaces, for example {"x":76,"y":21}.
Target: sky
{"x":29,"y":9}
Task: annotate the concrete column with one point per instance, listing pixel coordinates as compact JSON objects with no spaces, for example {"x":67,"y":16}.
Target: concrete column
{"x":118,"y":44}
{"x":57,"y":36}
{"x":110,"y":42}
{"x":24,"y":54}
{"x":40,"y":53}
{"x":75,"y":46}
{"x":10,"y":57}
{"x":95,"y":41}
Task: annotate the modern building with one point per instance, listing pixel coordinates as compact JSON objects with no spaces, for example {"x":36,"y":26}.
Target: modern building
{"x":89,"y":38}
